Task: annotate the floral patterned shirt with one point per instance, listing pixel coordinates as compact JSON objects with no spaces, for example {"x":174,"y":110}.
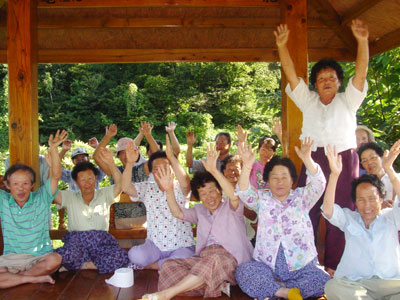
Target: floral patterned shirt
{"x":285,"y":223}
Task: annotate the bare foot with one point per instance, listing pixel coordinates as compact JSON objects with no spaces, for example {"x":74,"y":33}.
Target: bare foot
{"x":330,"y":271}
{"x":3,"y":270}
{"x":41,"y":279}
{"x":88,"y":265}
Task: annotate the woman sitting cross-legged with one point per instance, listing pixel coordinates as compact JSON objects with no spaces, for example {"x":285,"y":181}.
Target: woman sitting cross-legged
{"x":370,"y":265}
{"x":285,"y":259}
{"x":221,"y":236}
{"x":88,"y":245}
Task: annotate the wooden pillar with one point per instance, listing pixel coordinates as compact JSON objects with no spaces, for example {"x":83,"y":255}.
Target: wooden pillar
{"x":22,"y":83}
{"x":294,"y":14}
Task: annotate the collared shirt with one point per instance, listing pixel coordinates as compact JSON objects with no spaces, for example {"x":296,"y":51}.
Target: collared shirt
{"x":67,"y":178}
{"x":285,"y":223}
{"x":26,"y":229}
{"x":368,"y":252}
{"x":95,"y":216}
{"x":163,"y":229}
{"x":332,"y":124}
{"x":256,"y":176}
{"x":225,"y":225}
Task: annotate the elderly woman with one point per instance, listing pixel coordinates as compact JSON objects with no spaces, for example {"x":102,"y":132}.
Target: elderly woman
{"x":370,"y":265}
{"x":329,"y":118}
{"x":285,"y":259}
{"x":364,"y":135}
{"x":88,"y":245}
{"x":371,"y":155}
{"x":221,"y":237}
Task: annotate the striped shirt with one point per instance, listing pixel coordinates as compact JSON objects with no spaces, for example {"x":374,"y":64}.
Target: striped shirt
{"x":26,"y":229}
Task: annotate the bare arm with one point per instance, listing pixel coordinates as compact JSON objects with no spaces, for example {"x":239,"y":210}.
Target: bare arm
{"x":65,"y":148}
{"x":132,"y":154}
{"x":360,"y":32}
{"x":138,"y":139}
{"x":166,"y":183}
{"x":54,"y":159}
{"x":335,"y":164}
{"x":248,"y":157}
{"x":305,"y":154}
{"x":389,"y":157}
{"x":106,"y":156}
{"x":180,"y":173}
{"x":190,"y":140}
{"x":211,"y":166}
{"x":174,"y":141}
{"x":145,"y":129}
{"x":111,"y":131}
{"x":282,"y":34}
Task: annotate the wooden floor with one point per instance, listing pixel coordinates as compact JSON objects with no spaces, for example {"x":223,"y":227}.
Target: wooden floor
{"x":87,"y":284}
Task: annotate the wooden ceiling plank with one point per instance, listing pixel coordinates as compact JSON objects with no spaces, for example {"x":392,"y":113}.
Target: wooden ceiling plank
{"x":144,"y":3}
{"x":385,"y":43}
{"x":357,"y":10}
{"x":332,"y":20}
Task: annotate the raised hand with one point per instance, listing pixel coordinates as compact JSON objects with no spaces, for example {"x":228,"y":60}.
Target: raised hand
{"x":93,"y":142}
{"x":58,"y":138}
{"x":67,"y":145}
{"x":210,"y":164}
{"x":106,"y":155}
{"x":247,"y":154}
{"x":335,"y":160}
{"x":360,"y":30}
{"x":277,"y":128}
{"x":281,"y":35}
{"x":165,"y":178}
{"x":111,"y":130}
{"x":132,"y":153}
{"x":305,"y":149}
{"x":241,"y":134}
{"x":389,"y":157}
{"x":171,"y":127}
{"x":145,"y":128}
{"x":190,"y":138}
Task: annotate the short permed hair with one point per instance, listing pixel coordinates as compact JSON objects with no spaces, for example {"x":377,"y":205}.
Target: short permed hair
{"x":153,"y":157}
{"x":226,"y":134}
{"x":267,"y":140}
{"x":230,"y":159}
{"x":20,"y":167}
{"x":84,"y":166}
{"x":199,"y":180}
{"x":367,"y":178}
{"x":280,"y":161}
{"x":326,"y":63}
{"x":372,"y":146}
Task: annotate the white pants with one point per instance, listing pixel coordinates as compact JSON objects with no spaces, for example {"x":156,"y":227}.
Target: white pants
{"x":364,"y":289}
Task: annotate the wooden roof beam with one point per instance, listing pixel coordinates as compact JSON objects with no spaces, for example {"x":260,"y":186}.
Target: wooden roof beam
{"x":385,"y":43}
{"x":357,"y":10}
{"x":139,"y":3}
{"x":332,"y":20}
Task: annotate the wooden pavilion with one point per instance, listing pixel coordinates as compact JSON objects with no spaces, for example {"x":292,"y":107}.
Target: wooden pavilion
{"x":108,"y":31}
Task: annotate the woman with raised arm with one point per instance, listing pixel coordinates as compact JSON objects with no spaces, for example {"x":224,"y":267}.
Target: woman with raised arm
{"x":221,"y":236}
{"x":329,"y":118}
{"x":370,"y":265}
{"x":285,"y":262}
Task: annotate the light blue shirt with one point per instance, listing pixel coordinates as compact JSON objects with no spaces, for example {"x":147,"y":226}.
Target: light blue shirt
{"x":369,"y":252}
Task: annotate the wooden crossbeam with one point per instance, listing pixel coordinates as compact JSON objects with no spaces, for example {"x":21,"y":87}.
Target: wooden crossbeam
{"x":332,"y":20}
{"x":143,"y":3}
{"x":357,"y":10}
{"x":385,"y":43}
{"x":173,"y":55}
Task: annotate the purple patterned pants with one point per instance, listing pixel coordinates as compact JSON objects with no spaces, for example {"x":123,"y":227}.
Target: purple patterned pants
{"x":96,"y":246}
{"x":259,"y":281}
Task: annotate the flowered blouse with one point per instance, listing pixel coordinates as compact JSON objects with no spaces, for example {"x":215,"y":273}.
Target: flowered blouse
{"x":285,"y":223}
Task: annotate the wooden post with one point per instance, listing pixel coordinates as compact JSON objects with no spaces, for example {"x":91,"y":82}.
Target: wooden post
{"x":294,"y":14}
{"x":22,"y":83}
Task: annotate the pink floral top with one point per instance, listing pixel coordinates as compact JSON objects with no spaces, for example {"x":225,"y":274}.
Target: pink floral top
{"x":285,"y":223}
{"x":256,"y":176}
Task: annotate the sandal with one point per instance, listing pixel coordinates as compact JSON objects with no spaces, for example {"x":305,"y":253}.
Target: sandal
{"x":153,"y":296}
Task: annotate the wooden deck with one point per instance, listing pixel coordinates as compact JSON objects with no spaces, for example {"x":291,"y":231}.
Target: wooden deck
{"x":89,"y":284}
